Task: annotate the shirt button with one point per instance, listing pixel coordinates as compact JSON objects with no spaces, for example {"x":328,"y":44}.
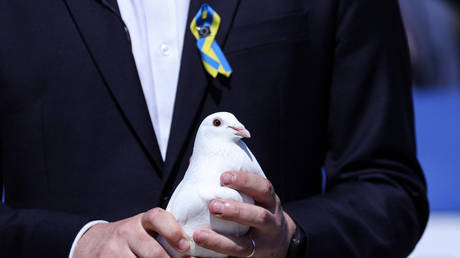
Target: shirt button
{"x":164,"y":49}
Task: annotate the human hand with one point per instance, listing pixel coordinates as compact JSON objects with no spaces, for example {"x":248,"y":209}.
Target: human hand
{"x":133,"y":237}
{"x":271,"y":227}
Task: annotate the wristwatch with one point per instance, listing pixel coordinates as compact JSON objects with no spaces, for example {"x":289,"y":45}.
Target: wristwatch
{"x":298,"y":244}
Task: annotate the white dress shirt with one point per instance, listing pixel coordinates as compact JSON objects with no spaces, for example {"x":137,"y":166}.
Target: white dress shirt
{"x":156,"y":29}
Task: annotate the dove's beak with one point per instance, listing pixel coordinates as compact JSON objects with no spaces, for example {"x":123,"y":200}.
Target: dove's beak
{"x":241,"y":131}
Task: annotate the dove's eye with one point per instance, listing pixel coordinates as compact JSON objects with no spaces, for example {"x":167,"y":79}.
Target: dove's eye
{"x":216,"y":122}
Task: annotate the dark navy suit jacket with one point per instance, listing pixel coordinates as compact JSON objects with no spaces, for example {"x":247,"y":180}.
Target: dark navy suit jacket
{"x":318,"y":83}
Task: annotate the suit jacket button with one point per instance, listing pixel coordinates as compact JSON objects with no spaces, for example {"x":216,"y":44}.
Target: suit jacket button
{"x":127,"y":33}
{"x":165,"y":201}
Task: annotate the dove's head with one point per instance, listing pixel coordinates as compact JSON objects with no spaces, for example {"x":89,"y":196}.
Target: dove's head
{"x":223,"y":125}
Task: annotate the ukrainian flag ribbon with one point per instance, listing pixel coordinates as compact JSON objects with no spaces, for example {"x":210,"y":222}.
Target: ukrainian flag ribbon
{"x":204,"y":27}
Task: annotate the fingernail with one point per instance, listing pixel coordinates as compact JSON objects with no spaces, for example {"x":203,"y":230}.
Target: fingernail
{"x":201,"y":236}
{"x":218,"y":207}
{"x":227,"y":178}
{"x":183,"y":245}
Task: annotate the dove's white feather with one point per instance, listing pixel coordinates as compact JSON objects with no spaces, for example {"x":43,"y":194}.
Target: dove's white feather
{"x":216,"y":150}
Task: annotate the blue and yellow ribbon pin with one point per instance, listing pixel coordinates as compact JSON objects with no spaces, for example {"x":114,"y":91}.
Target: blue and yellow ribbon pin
{"x":204,"y":27}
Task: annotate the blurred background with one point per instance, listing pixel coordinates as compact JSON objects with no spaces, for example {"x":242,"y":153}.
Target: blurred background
{"x":433,"y":30}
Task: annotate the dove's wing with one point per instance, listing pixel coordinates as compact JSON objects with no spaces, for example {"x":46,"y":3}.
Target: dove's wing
{"x":173,"y":199}
{"x":185,"y":203}
{"x":245,"y":159}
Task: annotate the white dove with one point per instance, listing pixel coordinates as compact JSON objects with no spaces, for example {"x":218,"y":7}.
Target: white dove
{"x":218,"y":148}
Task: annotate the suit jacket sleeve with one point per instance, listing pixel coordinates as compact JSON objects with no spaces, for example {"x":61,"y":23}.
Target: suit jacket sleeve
{"x":37,"y":233}
{"x":375,"y":203}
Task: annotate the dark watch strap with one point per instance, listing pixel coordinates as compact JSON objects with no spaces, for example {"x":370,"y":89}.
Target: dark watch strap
{"x":298,"y":244}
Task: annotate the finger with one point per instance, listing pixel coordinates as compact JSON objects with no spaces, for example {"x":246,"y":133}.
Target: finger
{"x":164,"y":223}
{"x":251,"y":184}
{"x":144,"y":246}
{"x":243,"y":213}
{"x":229,"y":245}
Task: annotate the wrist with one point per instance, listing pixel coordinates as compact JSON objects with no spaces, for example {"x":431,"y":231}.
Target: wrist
{"x":297,"y":239}
{"x":291,"y":225}
{"x":81,"y":235}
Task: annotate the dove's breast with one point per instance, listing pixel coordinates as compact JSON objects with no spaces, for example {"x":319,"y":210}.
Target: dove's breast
{"x":238,"y":157}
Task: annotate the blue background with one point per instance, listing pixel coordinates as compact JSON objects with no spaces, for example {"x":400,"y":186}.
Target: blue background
{"x":433,"y":31}
{"x":437,"y":114}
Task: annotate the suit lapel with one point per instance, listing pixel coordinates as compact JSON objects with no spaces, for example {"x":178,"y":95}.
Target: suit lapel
{"x":103,"y":33}
{"x":193,"y":80}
